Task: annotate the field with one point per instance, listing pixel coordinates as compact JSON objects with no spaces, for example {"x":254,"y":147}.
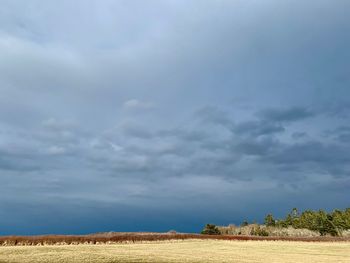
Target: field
{"x":189,"y":250}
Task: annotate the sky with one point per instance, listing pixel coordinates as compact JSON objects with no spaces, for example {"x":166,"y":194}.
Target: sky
{"x":169,"y":114}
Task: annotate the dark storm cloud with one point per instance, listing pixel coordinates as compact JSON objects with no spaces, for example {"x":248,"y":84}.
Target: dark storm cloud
{"x":17,"y":163}
{"x":299,"y":135}
{"x":285,"y":115}
{"x":213,"y":115}
{"x":257,"y":128}
{"x":340,"y":134}
{"x":134,"y":108}
{"x":255,"y":147}
{"x":313,"y":152}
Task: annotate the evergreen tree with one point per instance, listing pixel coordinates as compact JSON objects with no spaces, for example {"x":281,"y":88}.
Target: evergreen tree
{"x":339,"y":219}
{"x":210,"y":229}
{"x":269,"y":220}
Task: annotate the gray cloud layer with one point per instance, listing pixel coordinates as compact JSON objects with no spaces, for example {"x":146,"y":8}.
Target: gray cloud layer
{"x":113,"y":112}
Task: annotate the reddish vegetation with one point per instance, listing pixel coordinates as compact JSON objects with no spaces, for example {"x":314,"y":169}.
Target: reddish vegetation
{"x":101,"y":238}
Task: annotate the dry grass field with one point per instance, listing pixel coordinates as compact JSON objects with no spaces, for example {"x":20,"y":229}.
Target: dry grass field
{"x":183,"y":251}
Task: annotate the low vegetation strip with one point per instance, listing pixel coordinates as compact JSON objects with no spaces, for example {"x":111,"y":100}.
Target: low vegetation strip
{"x":112,"y":238}
{"x":190,"y":251}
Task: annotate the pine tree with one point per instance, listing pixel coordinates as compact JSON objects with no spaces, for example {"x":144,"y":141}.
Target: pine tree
{"x":210,"y":229}
{"x":269,"y":220}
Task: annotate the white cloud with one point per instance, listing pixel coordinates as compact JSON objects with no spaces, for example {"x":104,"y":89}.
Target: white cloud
{"x":55,"y":150}
{"x":137,"y":105}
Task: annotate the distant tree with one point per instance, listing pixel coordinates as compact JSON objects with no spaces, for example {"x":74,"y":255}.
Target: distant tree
{"x":308,"y":220}
{"x":339,"y":219}
{"x":269,"y":220}
{"x":245,"y":223}
{"x":326,"y":226}
{"x":210,"y":229}
{"x":347,"y":218}
{"x":295,"y":213}
{"x":295,"y":218}
{"x":288,"y":220}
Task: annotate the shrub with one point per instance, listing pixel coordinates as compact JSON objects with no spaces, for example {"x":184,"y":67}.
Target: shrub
{"x":210,"y":229}
{"x":258,"y":231}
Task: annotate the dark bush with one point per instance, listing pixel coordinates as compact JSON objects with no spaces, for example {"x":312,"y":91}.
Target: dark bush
{"x":258,"y":231}
{"x":210,"y":229}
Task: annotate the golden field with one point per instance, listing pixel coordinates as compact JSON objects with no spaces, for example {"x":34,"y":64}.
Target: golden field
{"x":183,"y":251}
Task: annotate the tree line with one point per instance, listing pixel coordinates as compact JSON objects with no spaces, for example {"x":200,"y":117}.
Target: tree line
{"x":326,"y":223}
{"x":333,"y":223}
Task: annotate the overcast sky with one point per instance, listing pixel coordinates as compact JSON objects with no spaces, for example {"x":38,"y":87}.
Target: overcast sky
{"x":158,"y":115}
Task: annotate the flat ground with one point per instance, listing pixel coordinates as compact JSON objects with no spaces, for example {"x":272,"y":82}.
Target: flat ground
{"x":183,"y":251}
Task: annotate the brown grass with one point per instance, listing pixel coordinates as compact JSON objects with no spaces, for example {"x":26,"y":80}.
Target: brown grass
{"x":112,"y":237}
{"x":183,"y":251}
